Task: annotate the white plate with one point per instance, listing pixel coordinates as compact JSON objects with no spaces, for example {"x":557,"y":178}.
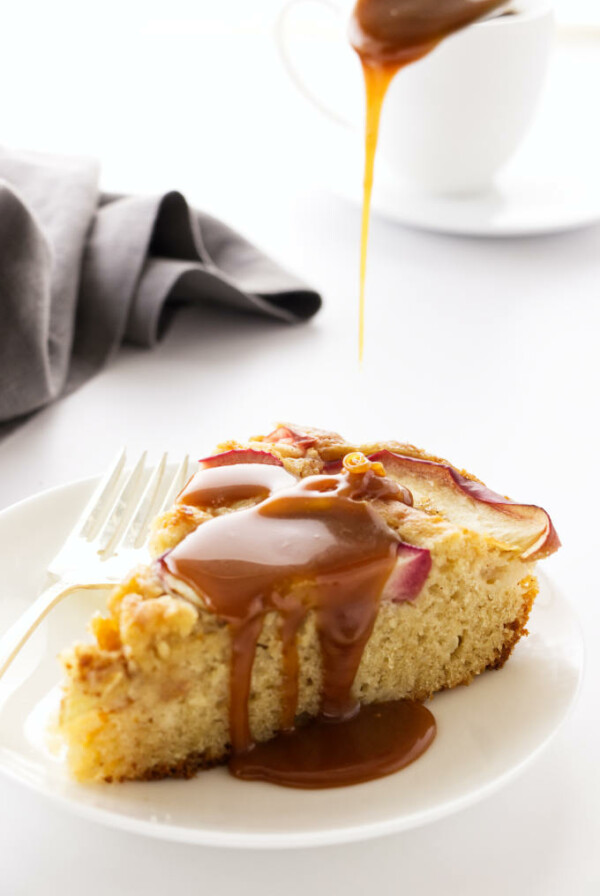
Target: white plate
{"x":486,"y":733}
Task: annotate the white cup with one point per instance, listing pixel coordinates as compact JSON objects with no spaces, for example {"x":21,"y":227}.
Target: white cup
{"x":451,"y":120}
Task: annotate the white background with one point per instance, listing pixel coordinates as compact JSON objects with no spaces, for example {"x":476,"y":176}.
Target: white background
{"x":486,"y":352}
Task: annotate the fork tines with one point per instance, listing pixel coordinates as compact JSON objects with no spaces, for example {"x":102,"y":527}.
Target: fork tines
{"x":126,"y":500}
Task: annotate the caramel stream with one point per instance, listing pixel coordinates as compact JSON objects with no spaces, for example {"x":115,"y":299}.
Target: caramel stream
{"x":377,"y":81}
{"x":388,"y":35}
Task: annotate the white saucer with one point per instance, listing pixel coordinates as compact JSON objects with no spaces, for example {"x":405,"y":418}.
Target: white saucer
{"x":487,"y":733}
{"x":514,"y":207}
{"x":520,"y":203}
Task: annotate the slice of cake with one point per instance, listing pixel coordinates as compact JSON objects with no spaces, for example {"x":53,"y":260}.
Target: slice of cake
{"x":298,"y":576}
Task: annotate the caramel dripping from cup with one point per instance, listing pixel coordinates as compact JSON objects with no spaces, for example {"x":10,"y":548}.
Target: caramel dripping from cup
{"x":382,"y":54}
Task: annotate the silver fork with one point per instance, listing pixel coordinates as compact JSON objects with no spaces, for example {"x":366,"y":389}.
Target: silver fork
{"x":107,"y":540}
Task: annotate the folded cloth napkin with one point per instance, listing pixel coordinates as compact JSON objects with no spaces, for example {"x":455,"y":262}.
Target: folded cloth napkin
{"x":81,"y":271}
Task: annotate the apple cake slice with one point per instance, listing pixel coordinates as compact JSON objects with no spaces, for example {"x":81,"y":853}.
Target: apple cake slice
{"x":298,"y":576}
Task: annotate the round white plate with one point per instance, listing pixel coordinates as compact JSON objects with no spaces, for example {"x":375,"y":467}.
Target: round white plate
{"x":486,"y":733}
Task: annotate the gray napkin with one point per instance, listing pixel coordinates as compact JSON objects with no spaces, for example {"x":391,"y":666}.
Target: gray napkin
{"x":80,"y":272}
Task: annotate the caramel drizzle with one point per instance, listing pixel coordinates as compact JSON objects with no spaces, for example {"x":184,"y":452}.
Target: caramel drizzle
{"x":377,"y":80}
{"x":317,"y":546}
{"x":225,"y":486}
{"x":388,"y":35}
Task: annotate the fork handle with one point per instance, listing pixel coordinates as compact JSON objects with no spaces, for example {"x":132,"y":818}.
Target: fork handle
{"x":19,"y":633}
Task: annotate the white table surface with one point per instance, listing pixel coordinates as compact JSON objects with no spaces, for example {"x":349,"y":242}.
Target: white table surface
{"x":483,"y":351}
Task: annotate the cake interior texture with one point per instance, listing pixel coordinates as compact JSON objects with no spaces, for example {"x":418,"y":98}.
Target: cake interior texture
{"x":149,"y":697}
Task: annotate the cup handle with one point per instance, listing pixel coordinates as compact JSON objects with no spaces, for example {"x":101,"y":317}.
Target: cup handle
{"x":281,"y":39}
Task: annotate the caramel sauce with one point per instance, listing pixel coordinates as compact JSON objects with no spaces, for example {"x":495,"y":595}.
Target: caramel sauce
{"x":224,"y":486}
{"x":317,"y":546}
{"x":387,"y":35}
{"x":382,"y":738}
{"x":377,"y":80}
